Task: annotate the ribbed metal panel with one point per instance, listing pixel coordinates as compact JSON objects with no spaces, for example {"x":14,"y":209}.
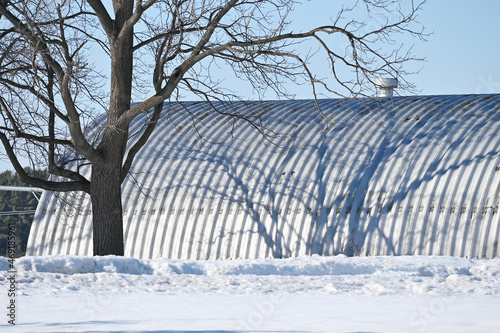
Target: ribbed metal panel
{"x":401,"y":176}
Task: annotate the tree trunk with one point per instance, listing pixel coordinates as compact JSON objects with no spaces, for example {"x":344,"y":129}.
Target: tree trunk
{"x":105,"y":188}
{"x":105,"y":192}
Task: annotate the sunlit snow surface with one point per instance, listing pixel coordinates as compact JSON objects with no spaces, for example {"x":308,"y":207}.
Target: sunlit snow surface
{"x":306,"y":294}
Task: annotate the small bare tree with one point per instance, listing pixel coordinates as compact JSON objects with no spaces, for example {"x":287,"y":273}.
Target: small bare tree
{"x":52,"y":88}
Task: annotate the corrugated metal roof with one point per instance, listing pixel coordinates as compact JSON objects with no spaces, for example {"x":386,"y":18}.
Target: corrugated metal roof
{"x":401,"y":176}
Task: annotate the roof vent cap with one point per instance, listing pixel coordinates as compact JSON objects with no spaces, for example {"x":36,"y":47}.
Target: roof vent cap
{"x":386,"y":86}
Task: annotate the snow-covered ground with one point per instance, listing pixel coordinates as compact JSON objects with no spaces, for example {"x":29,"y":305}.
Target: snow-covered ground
{"x":307,"y":294}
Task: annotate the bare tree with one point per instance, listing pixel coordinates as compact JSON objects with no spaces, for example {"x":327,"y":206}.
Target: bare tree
{"x":52,"y":88}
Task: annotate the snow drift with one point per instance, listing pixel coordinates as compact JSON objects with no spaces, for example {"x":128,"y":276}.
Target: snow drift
{"x":316,"y":274}
{"x":304,"y":294}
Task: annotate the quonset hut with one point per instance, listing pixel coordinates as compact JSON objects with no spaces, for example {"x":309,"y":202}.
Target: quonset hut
{"x":386,"y":176}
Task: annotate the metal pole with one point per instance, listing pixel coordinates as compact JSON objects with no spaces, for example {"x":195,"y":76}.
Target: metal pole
{"x":20,"y":189}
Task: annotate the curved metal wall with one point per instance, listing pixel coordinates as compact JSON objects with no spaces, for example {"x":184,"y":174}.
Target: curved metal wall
{"x":401,"y":176}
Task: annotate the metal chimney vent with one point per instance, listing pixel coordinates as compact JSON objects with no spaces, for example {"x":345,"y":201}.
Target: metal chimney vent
{"x":386,"y":86}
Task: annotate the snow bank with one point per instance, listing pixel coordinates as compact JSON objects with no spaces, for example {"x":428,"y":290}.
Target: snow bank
{"x":303,"y":266}
{"x":313,"y":294}
{"x":318,"y":275}
{"x":81,"y":264}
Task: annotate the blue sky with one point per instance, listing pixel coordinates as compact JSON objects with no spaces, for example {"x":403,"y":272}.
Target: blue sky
{"x":462,"y":55}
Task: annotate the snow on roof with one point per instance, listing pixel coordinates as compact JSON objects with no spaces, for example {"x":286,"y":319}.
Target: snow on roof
{"x":390,"y":176}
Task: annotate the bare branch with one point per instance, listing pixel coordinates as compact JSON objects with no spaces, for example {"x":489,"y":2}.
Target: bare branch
{"x":104,"y":18}
{"x":48,"y":185}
